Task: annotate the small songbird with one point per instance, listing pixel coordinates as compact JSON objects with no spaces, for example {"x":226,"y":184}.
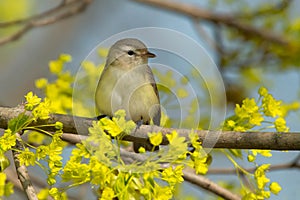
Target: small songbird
{"x":127,"y":82}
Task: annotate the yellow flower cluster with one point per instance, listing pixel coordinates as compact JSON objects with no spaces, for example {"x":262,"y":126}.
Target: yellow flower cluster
{"x":201,"y":160}
{"x":7,"y":141}
{"x":58,"y":92}
{"x":118,"y":124}
{"x":252,"y":113}
{"x":40,"y":109}
{"x":263,"y":190}
{"x":61,"y":90}
{"x":103,"y":167}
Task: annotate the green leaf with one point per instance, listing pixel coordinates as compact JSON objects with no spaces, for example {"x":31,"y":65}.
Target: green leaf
{"x":18,"y":123}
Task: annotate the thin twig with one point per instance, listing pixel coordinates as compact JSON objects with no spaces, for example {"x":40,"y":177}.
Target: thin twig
{"x":22,"y":171}
{"x":64,"y":10}
{"x":225,"y":19}
{"x":209,"y":185}
{"x":206,"y":37}
{"x":294,"y":164}
{"x":12,"y":177}
{"x":62,"y":5}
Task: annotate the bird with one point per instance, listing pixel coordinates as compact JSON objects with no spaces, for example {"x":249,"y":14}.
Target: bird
{"x":127,"y":82}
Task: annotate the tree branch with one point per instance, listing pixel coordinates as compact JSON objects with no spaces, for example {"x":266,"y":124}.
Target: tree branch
{"x":210,"y":139}
{"x":22,"y":171}
{"x":209,"y":185}
{"x":64,"y":10}
{"x":225,"y":19}
{"x":293,"y":164}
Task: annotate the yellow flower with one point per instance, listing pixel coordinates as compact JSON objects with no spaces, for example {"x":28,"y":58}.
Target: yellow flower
{"x":194,"y":138}
{"x":240,"y":129}
{"x":260,"y":176}
{"x":248,"y":107}
{"x":65,"y":57}
{"x":287,"y":107}
{"x":261,"y":181}
{"x":8,"y":140}
{"x":171,"y":136}
{"x":230,"y":123}
{"x":59,"y":125}
{"x":262,"y":91}
{"x":142,"y":150}
{"x":41,"y":83}
{"x":26,"y":157}
{"x":166,"y":78}
{"x":271,"y":106}
{"x":110,"y":126}
{"x":107,"y":194}
{"x":6,"y":188}
{"x":56,"y":194}
{"x":120,"y":120}
{"x":256,"y":119}
{"x":251,"y":158}
{"x":163,"y":193}
{"x":264,"y":194}
{"x":240,"y":112}
{"x":43,"y":110}
{"x":250,"y":196}
{"x":42,"y":152}
{"x":145,"y":191}
{"x":43,"y":194}
{"x":200,"y":165}
{"x":56,"y":66}
{"x":275,"y":188}
{"x":155,"y":138}
{"x":31,"y":100}
{"x":280,"y":125}
{"x":4,"y":162}
{"x":173,"y":176}
{"x":182,"y":93}
{"x":103,"y":52}
{"x":265,"y":153}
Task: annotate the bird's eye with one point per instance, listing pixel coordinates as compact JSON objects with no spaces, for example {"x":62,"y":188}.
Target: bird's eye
{"x":130,"y":52}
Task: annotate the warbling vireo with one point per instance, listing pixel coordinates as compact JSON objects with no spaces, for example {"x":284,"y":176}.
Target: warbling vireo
{"x":127,"y":82}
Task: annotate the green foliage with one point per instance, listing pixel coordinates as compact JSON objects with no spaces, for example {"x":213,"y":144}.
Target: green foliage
{"x":247,"y":56}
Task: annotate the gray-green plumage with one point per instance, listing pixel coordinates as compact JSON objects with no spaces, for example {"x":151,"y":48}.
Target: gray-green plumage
{"x":127,"y":82}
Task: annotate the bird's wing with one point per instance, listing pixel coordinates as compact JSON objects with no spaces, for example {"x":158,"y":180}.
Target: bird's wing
{"x":157,"y":115}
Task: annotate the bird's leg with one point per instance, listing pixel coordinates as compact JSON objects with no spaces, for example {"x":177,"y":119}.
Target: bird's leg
{"x":139,"y":124}
{"x":148,"y":146}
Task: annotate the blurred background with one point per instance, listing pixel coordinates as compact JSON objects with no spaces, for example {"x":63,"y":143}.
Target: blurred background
{"x":253,"y":43}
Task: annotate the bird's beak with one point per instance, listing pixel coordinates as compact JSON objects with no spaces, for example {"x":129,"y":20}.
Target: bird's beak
{"x":150,"y":55}
{"x":146,"y":53}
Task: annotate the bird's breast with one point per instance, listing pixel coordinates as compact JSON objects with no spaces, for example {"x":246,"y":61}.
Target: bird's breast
{"x":129,"y":90}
